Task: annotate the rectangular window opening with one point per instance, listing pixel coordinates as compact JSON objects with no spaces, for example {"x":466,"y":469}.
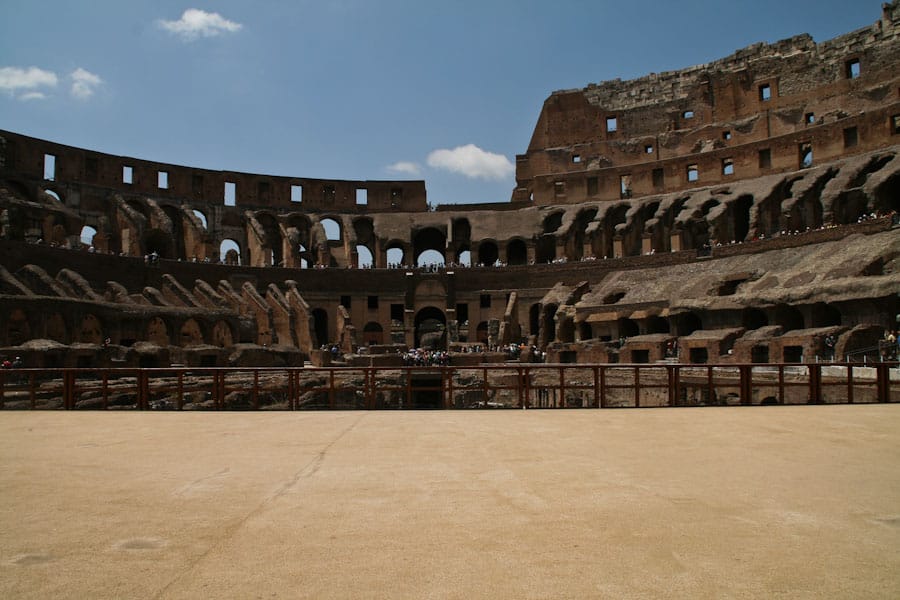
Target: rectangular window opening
{"x":809,"y":118}
{"x":559,"y":188}
{"x":462,"y":313}
{"x":648,"y":149}
{"x":127,"y":174}
{"x":485,"y":300}
{"x":373,"y":302}
{"x":851,"y":137}
{"x":688,"y":114}
{"x":362,"y":196}
{"x":727,"y":166}
{"x":659,"y":178}
{"x":765,"y":92}
{"x":296,"y":193}
{"x":50,"y":167}
{"x":853,"y":68}
{"x":693,"y":173}
{"x":397,"y":313}
{"x":576,"y":158}
{"x":895,"y":125}
{"x":806,"y":155}
{"x":765,"y":158}
{"x":230,"y":193}
{"x":726,"y":135}
{"x":593,"y":186}
{"x":625,"y":186}
{"x":345,"y":301}
{"x":611,"y":124}
{"x":162,"y":180}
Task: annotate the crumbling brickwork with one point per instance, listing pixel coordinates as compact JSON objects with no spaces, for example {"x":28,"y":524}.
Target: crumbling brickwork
{"x":742,"y":210}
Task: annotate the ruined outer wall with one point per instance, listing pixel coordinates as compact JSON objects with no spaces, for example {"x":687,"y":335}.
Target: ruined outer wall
{"x":740,"y":117}
{"x":25,"y":157}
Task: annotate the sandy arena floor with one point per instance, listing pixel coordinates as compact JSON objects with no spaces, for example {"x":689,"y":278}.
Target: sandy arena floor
{"x":761,"y":502}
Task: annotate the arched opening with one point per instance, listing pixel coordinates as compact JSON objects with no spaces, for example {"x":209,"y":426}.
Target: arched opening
{"x":396,"y":256}
{"x":464,"y":258}
{"x":87,"y":235}
{"x":516,"y":253}
{"x":741,"y":220}
{"x":201,"y":217}
{"x":788,"y":317}
{"x":363,"y":257}
{"x":553,"y":221}
{"x":55,"y":328}
{"x":534,"y":318}
{"x":190,"y":334}
{"x":628,"y":328}
{"x":320,"y":325}
{"x":158,"y":332}
{"x":430,"y":328}
{"x":824,"y":315}
{"x":176,"y":236}
{"x":429,"y":238}
{"x":548,"y":324}
{"x":584,"y":331}
{"x":566,"y":330}
{"x":221,"y":335}
{"x":657,"y":325}
{"x":303,"y":253}
{"x":753,"y":318}
{"x":272,"y":242}
{"x":230,"y":252}
{"x":91,"y":330}
{"x":579,"y":231}
{"x":332,"y":230}
{"x":487,"y":253}
{"x":687,"y":323}
{"x":545,"y":249}
{"x":373,"y":334}
{"x":53,"y":195}
{"x":430,"y":258}
{"x":159,"y":242}
{"x":18,"y":330}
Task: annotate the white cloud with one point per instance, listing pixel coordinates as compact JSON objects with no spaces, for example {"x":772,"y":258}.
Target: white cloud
{"x":33,"y":96}
{"x":83,"y":83}
{"x":472,"y":161}
{"x":405,"y":167}
{"x":14,"y":80}
{"x":196,"y":23}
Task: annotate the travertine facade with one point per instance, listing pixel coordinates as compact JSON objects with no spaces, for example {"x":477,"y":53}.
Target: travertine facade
{"x":744,"y":209}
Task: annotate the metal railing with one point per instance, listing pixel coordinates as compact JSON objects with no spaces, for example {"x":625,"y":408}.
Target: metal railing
{"x":452,"y":387}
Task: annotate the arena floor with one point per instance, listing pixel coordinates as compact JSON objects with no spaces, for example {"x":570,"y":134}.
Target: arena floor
{"x":774,"y":502}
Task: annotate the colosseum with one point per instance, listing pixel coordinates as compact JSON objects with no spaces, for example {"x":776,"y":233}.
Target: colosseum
{"x":739,"y":211}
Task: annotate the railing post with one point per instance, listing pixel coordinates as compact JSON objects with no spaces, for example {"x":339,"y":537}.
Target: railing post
{"x":255,"y":389}
{"x":883,"y":382}
{"x":603,"y":387}
{"x":143,"y":389}
{"x":849,"y":383}
{"x":746,"y":372}
{"x":637,"y":387}
{"x":562,"y":388}
{"x":68,"y":389}
{"x":331,"y":389}
{"x":292,"y":389}
{"x":673,"y":372}
{"x":815,"y":384}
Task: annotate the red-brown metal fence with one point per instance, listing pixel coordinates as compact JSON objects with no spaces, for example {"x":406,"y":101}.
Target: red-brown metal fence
{"x":459,"y":387}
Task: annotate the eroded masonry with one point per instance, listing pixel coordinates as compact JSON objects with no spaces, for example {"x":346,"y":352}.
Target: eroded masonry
{"x":743,"y":210}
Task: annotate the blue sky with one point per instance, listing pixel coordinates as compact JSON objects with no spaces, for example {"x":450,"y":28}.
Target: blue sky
{"x":444,"y":91}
